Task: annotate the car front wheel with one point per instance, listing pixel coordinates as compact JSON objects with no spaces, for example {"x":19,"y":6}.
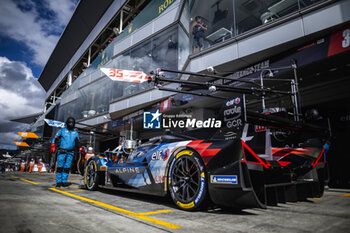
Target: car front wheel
{"x":187,"y":180}
{"x":91,"y":175}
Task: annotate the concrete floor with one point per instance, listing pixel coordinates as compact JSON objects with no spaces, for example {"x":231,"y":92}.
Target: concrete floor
{"x":27,"y":204}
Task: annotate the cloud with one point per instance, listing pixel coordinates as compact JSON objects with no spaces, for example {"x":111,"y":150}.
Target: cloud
{"x":9,"y":137}
{"x":20,"y":95}
{"x":37,"y":25}
{"x":21,"y":21}
{"x":63,"y":10}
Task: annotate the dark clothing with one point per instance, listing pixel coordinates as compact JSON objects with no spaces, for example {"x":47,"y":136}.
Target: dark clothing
{"x":198,"y":42}
{"x":198,"y":31}
{"x":198,"y":35}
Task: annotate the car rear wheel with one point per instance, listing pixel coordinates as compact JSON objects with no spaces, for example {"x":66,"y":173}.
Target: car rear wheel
{"x":187,"y":180}
{"x":91,"y":175}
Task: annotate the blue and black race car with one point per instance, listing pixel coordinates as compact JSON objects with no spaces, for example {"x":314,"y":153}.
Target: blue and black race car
{"x":253,"y":160}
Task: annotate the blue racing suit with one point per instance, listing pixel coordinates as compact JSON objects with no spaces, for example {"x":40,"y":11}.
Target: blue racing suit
{"x":65,"y":154}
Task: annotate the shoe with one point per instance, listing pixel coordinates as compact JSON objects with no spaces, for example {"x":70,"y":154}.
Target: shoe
{"x":66,"y":184}
{"x":59,"y":185}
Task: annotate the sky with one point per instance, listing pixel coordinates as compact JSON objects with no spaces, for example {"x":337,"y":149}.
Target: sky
{"x":29,"y":31}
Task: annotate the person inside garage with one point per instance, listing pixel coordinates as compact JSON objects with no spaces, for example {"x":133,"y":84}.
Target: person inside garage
{"x":69,"y":141}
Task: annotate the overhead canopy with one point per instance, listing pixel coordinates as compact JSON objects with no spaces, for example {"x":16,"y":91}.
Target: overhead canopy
{"x":28,"y":119}
{"x":84,"y":19}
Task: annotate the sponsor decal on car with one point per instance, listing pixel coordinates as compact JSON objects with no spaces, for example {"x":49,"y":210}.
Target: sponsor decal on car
{"x":184,"y":152}
{"x":159,"y":177}
{"x":223,"y":179}
{"x":230,"y":135}
{"x":170,"y":169}
{"x":185,"y":206}
{"x":201,"y":190}
{"x":234,"y":101}
{"x":160,"y":154}
{"x":200,"y":166}
{"x":128,"y":170}
{"x":233,"y":112}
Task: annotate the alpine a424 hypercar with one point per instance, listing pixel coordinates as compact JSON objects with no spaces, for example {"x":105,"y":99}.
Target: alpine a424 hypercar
{"x":253,"y":160}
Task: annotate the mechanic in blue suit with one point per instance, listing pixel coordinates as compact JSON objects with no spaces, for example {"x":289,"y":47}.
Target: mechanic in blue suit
{"x":69,"y":140}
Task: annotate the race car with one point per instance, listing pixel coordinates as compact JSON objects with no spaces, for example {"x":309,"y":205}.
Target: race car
{"x":253,"y":160}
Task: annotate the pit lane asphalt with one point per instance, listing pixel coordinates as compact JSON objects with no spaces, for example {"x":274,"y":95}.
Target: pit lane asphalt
{"x":28,"y":203}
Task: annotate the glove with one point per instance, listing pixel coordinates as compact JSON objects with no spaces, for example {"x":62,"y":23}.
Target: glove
{"x":81,"y":149}
{"x":53,"y":148}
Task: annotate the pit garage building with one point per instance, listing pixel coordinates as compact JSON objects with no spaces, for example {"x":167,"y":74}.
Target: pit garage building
{"x":245,"y":39}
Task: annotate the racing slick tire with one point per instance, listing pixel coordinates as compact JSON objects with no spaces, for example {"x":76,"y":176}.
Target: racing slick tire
{"x":187,"y":180}
{"x":91,"y":175}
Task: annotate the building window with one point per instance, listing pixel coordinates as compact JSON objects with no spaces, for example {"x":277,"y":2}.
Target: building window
{"x":160,"y":51}
{"x":251,"y":14}
{"x":183,"y":48}
{"x":91,"y":100}
{"x":209,"y":23}
{"x":150,"y":12}
{"x":306,"y":3}
{"x":218,"y":20}
{"x":164,"y":49}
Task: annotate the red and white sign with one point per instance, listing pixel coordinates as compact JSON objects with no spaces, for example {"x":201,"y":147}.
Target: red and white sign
{"x":260,"y":128}
{"x":165,"y":105}
{"x":125,"y":75}
{"x":339,"y":42}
